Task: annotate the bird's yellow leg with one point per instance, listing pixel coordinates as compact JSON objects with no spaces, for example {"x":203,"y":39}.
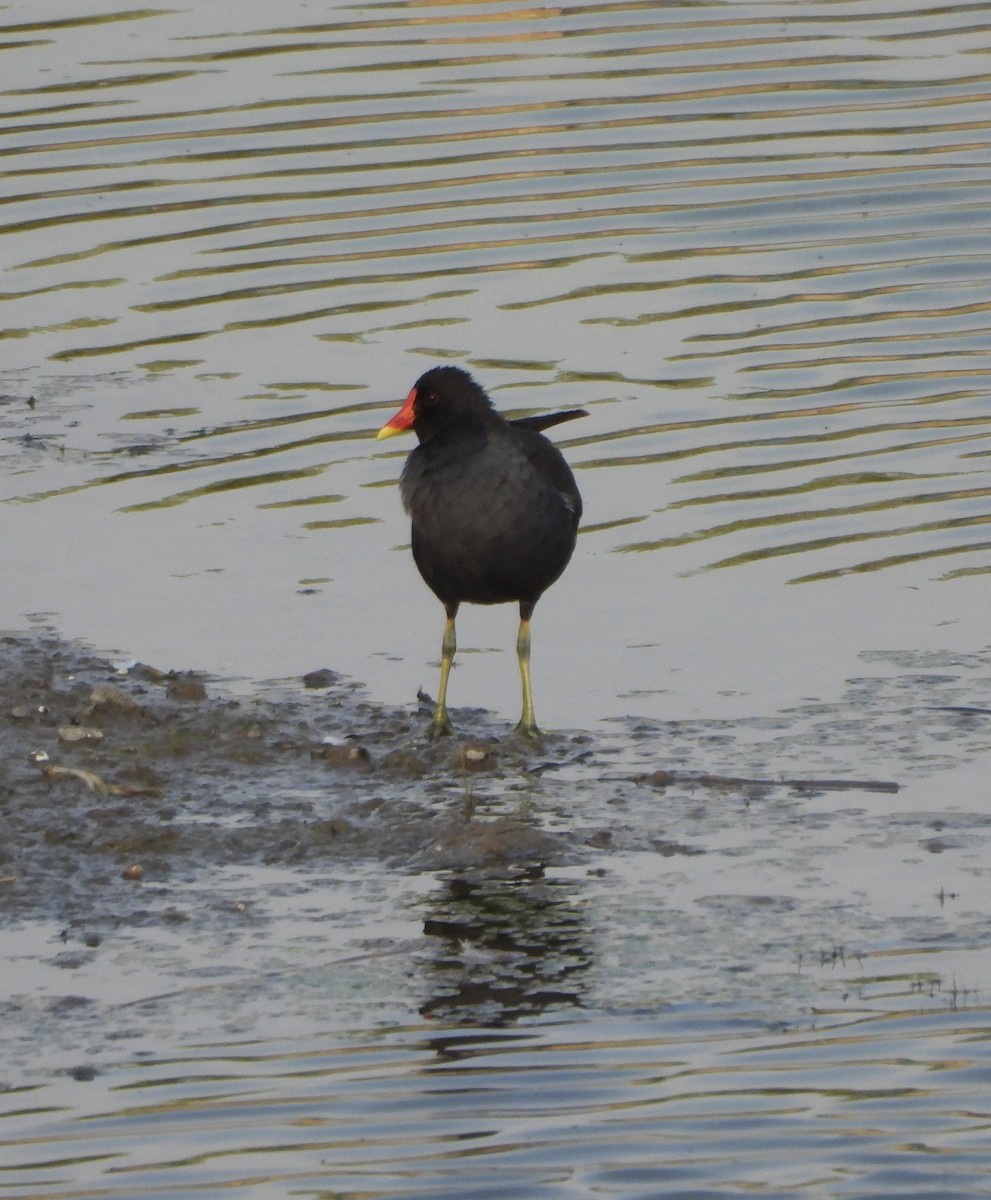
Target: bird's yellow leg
{"x":528,"y":722}
{"x":441,"y":723}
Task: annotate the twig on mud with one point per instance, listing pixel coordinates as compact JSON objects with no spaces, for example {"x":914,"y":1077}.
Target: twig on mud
{"x":90,"y":778}
{"x":95,"y":782}
{"x":666,"y":778}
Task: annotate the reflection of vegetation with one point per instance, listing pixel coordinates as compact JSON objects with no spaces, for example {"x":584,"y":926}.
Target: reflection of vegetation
{"x":159,"y":414}
{"x":898,"y":560}
{"x":223,"y":485}
{"x":343,"y":523}
{"x":236,"y":428}
{"x":508,"y":947}
{"x":851,"y":536}
{"x":300,"y":501}
{"x":867,"y":536}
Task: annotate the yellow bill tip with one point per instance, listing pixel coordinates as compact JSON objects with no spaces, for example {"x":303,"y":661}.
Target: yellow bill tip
{"x":388,"y":431}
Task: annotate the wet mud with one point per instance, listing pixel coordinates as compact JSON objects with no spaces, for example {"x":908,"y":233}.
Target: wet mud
{"x":177,"y":859}
{"x":121,"y":774}
{"x":116,"y":775}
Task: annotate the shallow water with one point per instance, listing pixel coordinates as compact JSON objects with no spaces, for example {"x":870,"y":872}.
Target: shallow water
{"x":678,"y":1105}
{"x":752,"y":241}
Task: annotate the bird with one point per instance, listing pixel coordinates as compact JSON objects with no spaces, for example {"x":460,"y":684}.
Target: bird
{"x":494,"y":509}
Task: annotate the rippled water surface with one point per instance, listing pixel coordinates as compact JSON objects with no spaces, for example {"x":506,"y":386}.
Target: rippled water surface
{"x":678,"y":1107}
{"x":752,"y":240}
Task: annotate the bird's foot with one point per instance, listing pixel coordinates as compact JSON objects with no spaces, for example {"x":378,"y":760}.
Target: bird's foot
{"x":529,"y":730}
{"x":440,"y":727}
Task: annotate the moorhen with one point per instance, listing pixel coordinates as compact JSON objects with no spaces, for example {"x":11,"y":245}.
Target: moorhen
{"x":494,"y":508}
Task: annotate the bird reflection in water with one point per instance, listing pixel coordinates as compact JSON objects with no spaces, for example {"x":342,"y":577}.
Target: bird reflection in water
{"x":509,"y":945}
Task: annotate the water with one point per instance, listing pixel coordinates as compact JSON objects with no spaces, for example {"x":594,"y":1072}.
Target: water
{"x":676,"y":1106}
{"x":751,"y":239}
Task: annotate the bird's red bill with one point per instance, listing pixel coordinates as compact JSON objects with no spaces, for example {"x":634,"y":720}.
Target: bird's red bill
{"x":402,"y":421}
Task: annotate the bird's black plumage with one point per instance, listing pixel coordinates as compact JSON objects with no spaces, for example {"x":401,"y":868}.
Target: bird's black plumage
{"x":493,"y":504}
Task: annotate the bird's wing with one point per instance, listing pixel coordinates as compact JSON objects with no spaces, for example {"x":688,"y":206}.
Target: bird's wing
{"x":549,"y":464}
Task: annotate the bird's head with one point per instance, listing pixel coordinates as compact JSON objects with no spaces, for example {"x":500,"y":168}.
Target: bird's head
{"x":441,"y":396}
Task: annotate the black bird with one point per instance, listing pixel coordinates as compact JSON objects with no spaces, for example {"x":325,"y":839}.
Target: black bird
{"x":494,"y":507}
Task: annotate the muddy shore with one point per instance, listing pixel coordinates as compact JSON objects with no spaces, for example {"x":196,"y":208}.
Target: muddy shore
{"x":119,"y":778}
{"x":115,"y":775}
{"x":177,"y":860}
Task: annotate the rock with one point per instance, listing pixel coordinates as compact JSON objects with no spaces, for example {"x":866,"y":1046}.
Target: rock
{"x":76,"y":735}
